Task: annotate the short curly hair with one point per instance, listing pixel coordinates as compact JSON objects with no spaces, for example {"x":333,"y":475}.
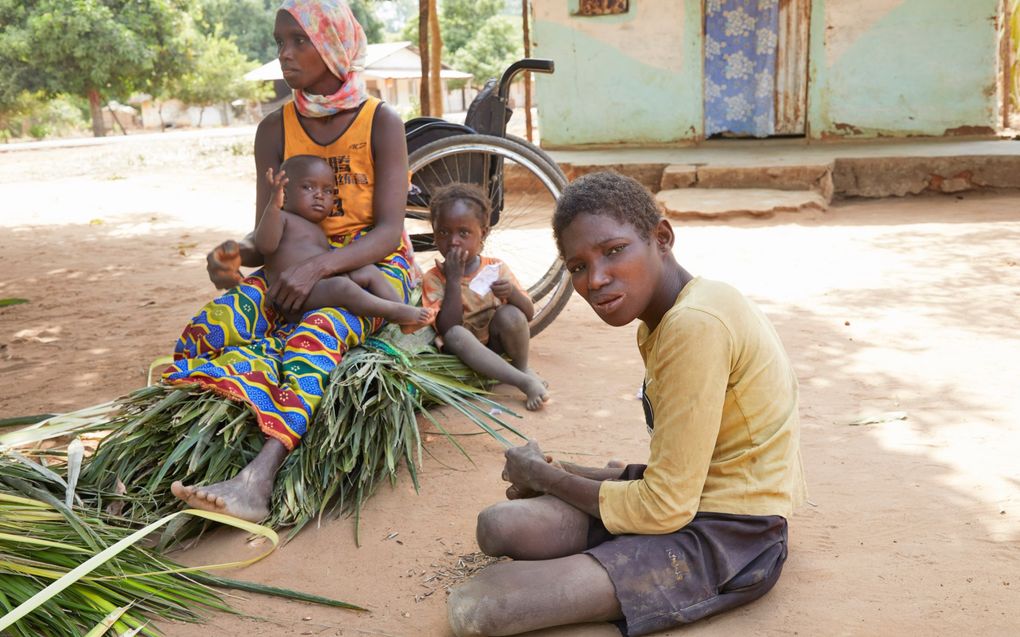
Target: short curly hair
{"x":445,"y":196}
{"x":607,"y":194}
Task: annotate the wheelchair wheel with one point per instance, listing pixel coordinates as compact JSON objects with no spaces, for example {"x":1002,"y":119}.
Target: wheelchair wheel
{"x":524,"y":185}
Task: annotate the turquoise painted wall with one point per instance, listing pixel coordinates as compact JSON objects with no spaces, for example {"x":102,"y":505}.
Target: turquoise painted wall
{"x":922,"y":68}
{"x":602,"y":94}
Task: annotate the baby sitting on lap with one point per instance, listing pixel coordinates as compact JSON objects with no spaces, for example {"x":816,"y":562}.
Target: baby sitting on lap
{"x":289,"y":233}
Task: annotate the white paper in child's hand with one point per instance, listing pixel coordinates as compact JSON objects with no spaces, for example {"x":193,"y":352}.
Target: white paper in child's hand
{"x":483,"y":281}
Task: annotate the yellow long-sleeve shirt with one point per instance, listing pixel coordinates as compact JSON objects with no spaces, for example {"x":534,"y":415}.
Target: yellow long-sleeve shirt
{"x":723,"y":399}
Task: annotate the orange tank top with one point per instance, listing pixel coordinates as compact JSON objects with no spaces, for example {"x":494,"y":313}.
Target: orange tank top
{"x":350,"y":155}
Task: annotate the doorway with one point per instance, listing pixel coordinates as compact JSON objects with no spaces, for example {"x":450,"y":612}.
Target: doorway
{"x":756,"y":67}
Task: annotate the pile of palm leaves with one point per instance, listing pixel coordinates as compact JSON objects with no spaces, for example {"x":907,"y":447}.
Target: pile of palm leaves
{"x":66,"y":573}
{"x":365,"y":428}
{"x":120,"y":588}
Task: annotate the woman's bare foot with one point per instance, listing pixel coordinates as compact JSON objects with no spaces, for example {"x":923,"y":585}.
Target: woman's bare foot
{"x":535,"y":390}
{"x":413,"y":318}
{"x":246,"y":495}
{"x":233,"y":497}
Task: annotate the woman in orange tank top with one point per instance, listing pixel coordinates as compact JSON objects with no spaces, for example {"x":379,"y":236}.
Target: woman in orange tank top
{"x":240,"y":345}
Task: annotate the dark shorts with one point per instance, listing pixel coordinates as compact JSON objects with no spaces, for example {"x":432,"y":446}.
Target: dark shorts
{"x":717,"y":562}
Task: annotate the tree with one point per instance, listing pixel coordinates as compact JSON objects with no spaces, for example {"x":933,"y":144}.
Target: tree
{"x":435,"y":54}
{"x":217,"y":75}
{"x":477,"y":38}
{"x":372,"y":25}
{"x":249,"y":23}
{"x":99,"y":49}
{"x":496,"y":45}
{"x":462,"y":19}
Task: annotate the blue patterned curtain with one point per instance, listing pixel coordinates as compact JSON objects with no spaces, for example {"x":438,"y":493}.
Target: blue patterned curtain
{"x":741,"y":38}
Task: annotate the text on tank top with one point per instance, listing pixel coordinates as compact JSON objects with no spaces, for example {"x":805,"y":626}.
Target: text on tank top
{"x":350,"y":156}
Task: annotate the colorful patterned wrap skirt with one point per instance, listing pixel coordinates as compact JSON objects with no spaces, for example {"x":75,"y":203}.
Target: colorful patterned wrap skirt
{"x":241,"y":347}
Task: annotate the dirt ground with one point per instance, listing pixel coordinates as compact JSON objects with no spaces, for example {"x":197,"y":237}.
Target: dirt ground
{"x":905,"y":310}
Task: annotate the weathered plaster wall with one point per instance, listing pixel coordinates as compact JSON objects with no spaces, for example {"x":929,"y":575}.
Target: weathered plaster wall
{"x":633,"y":78}
{"x":902,"y":67}
{"x":877,"y":68}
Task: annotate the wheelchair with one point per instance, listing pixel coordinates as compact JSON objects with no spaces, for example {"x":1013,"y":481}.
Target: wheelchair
{"x":522,"y":181}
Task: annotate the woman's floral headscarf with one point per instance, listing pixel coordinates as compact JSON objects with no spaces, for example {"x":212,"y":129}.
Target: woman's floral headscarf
{"x":341,"y":43}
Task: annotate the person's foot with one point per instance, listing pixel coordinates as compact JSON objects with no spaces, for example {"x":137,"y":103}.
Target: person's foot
{"x":531,"y":372}
{"x":535,"y":390}
{"x":412,"y":318}
{"x":236,"y":497}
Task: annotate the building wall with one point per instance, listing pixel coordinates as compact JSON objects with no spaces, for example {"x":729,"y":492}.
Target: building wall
{"x":633,"y":78}
{"x":877,"y":68}
{"x":903,"y":67}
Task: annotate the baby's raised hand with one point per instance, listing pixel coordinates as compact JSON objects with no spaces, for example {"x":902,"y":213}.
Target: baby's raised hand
{"x":277,"y":182}
{"x":501,"y":288}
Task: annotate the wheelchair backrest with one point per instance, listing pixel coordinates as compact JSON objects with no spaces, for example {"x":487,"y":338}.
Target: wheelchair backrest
{"x":424,"y":130}
{"x":488,"y":113}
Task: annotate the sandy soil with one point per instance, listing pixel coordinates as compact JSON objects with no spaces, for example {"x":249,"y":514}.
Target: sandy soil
{"x":906,"y":306}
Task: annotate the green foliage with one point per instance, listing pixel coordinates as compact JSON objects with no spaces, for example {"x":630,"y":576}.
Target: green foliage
{"x":106,"y":47}
{"x":249,"y":23}
{"x":461,"y":21}
{"x":365,"y":15}
{"x":33,"y":114}
{"x":497,"y":44}
{"x":217,"y":74}
{"x":479,"y":37}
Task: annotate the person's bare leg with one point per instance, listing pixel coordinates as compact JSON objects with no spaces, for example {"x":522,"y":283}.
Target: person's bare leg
{"x":510,"y":334}
{"x":538,"y":528}
{"x":244,"y":496}
{"x":342,"y":291}
{"x":517,"y":597}
{"x":460,"y":342}
{"x":372,"y":279}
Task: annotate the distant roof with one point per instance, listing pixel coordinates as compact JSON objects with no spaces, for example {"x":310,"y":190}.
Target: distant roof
{"x":388,"y":60}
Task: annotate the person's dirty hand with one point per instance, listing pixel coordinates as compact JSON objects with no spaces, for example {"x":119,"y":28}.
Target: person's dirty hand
{"x":514,"y":492}
{"x":224,"y":265}
{"x":456,"y":262}
{"x":501,"y":289}
{"x":525,"y":468}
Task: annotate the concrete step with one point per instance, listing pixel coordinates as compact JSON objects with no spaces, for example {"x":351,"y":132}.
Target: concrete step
{"x":656,"y":177}
{"x":841,"y":170}
{"x":713,"y":203}
{"x":813,"y":177}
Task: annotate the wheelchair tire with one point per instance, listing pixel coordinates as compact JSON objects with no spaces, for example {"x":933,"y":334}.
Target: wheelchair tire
{"x":524,"y":184}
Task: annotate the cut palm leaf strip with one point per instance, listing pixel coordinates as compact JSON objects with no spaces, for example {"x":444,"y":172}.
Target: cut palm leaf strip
{"x":364,"y":430}
{"x":21,"y":421}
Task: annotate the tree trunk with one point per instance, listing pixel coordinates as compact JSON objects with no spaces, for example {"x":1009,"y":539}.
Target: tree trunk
{"x":527,"y":75}
{"x":435,"y":61}
{"x":96,"y":109}
{"x":423,"y":51}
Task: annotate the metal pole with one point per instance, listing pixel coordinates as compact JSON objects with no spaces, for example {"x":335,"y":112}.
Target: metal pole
{"x":527,"y":75}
